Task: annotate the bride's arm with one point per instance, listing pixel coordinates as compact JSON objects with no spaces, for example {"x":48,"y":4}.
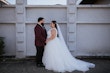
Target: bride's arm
{"x":53,"y":35}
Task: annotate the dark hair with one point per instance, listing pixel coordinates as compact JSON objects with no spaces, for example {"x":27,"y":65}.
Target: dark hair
{"x":54,"y":22}
{"x":40,"y":19}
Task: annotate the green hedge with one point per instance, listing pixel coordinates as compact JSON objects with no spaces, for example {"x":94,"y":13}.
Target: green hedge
{"x":1,"y":46}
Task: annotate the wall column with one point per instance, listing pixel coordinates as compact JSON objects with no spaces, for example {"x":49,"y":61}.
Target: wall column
{"x":71,"y":24}
{"x":20,"y":29}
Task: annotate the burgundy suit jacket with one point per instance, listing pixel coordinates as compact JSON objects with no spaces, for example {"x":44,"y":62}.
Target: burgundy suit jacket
{"x":40,"y":35}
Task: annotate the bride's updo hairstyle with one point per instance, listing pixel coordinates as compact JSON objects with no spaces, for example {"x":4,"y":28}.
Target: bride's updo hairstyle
{"x":54,"y":22}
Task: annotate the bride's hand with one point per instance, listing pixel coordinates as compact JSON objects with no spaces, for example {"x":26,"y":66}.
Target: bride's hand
{"x":47,"y":40}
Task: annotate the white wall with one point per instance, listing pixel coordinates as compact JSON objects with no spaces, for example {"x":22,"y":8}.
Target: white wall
{"x":93,"y":39}
{"x":7,"y":14}
{"x":93,"y":14}
{"x":93,"y":30}
{"x":49,"y":13}
{"x":92,"y":27}
{"x":8,"y":29}
{"x":8,"y":32}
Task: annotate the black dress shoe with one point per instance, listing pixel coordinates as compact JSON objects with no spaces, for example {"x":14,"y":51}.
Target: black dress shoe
{"x":42,"y":65}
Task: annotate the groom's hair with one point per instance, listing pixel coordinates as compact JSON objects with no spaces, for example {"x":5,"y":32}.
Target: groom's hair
{"x":40,"y":19}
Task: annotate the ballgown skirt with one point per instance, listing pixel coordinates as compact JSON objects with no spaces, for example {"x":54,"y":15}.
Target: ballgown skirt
{"x":58,"y":58}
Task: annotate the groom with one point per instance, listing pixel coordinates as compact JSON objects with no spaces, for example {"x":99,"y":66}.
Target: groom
{"x":40,"y":39}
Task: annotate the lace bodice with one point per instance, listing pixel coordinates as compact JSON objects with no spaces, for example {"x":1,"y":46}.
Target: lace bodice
{"x":49,"y":33}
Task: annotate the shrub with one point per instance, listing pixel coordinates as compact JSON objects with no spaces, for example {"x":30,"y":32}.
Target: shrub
{"x":1,"y":46}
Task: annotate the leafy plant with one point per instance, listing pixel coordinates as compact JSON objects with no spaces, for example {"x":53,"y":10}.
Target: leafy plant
{"x":2,"y":45}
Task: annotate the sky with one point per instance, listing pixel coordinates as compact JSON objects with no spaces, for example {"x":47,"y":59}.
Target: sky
{"x":41,"y":2}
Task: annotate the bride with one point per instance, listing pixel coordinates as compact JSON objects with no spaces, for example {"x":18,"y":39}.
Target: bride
{"x":57,"y":56}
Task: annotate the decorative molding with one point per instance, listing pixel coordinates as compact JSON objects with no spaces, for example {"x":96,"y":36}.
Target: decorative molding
{"x":71,"y":24}
{"x":71,"y":2}
{"x":46,"y":22}
{"x":7,"y":22}
{"x":19,"y":28}
{"x":20,"y":18}
{"x":46,"y":6}
{"x":71,"y":9}
{"x":19,"y":2}
{"x":19,"y":9}
{"x":20,"y":37}
{"x":71,"y":18}
{"x":92,"y":22}
{"x":94,"y":6}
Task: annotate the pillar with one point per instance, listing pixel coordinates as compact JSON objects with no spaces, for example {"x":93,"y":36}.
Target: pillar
{"x":20,"y":29}
{"x":71,"y":24}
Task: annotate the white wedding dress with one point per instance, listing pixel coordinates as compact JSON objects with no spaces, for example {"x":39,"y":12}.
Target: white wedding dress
{"x":58,"y":58}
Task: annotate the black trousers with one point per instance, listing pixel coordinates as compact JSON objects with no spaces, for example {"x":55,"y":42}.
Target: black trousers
{"x":39,"y":54}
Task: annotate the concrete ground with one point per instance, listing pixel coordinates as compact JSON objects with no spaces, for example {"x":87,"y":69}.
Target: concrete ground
{"x":28,"y":66}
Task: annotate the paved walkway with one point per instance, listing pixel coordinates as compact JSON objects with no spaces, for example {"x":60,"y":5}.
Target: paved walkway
{"x":27,"y":66}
